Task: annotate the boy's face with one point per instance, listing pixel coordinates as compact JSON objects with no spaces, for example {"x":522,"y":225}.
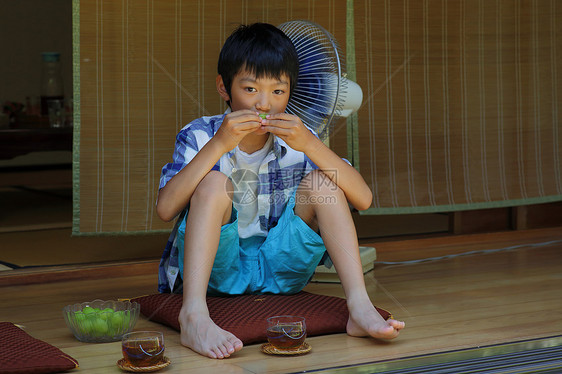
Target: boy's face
{"x":264,"y":95}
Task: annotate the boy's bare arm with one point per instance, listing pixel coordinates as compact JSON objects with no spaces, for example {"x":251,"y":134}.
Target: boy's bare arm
{"x":176,"y":194}
{"x":291,"y":129}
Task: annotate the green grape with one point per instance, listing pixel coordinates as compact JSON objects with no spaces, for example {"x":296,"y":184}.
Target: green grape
{"x":86,"y":327}
{"x":79,"y":316}
{"x":106,"y":314}
{"x":117,"y":320}
{"x":100,"y":327}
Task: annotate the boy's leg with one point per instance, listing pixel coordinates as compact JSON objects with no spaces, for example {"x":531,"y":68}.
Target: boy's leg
{"x":210,"y":208}
{"x":323,"y":206}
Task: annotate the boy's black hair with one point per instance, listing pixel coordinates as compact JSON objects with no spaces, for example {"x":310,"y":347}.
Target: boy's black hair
{"x":261,"y":49}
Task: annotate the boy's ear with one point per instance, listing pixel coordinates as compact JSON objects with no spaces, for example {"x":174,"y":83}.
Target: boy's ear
{"x":221,"y":88}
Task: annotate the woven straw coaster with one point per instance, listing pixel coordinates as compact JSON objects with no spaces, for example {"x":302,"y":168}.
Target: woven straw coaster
{"x":124,"y":365}
{"x":269,"y":349}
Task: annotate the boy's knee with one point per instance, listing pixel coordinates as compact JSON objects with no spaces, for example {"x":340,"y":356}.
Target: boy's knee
{"x":215,"y":185}
{"x":316,"y":190}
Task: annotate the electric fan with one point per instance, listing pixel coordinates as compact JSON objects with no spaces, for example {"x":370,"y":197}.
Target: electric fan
{"x":322,"y":93}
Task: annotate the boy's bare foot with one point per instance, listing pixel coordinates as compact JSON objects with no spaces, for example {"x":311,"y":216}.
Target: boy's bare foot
{"x":201,"y":334}
{"x":366,"y":321}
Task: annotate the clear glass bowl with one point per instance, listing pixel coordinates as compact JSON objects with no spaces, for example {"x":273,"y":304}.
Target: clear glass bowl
{"x":101,"y":321}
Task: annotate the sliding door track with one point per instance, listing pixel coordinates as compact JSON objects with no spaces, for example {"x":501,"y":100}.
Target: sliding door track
{"x":530,"y":356}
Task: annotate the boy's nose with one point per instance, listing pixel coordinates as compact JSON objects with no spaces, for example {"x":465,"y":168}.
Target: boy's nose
{"x":263,"y":105}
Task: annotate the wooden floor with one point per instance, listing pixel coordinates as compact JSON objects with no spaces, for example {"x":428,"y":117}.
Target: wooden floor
{"x":460,"y":302}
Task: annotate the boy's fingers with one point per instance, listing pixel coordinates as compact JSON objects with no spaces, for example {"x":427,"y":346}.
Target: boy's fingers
{"x":281,"y":124}
{"x":243,"y":116}
{"x":244,"y":122}
{"x":246,"y":119}
{"x":247,"y":124}
{"x":275,"y":130}
{"x":252,"y":127}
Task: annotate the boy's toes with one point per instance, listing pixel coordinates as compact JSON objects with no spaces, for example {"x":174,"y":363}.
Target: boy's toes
{"x":387,"y":332}
{"x":227,"y":350}
{"x":236,"y":343}
{"x":398,"y":325}
{"x":221,"y":352}
{"x":210,"y":353}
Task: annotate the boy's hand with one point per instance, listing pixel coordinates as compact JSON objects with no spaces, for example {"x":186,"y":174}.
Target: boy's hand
{"x":291,"y":129}
{"x":235,"y":126}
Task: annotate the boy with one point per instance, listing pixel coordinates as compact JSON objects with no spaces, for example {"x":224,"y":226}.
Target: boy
{"x":253,"y":194}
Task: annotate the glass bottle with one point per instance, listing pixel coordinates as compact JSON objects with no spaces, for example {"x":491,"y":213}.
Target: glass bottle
{"x":51,"y":80}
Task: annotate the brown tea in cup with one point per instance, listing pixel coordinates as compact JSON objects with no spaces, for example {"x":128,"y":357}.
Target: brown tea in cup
{"x":286,"y":332}
{"x":143,"y":348}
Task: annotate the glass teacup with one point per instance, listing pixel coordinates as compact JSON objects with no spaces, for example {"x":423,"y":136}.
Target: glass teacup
{"x":286,"y":332}
{"x":143,"y":348}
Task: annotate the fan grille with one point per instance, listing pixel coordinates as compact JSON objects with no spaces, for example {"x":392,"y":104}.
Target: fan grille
{"x":318,"y":95}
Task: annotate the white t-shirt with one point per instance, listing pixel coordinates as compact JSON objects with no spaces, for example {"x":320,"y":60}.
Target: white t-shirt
{"x":245,"y":181}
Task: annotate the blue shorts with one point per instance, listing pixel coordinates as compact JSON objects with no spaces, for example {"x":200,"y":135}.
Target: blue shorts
{"x":281,"y":263}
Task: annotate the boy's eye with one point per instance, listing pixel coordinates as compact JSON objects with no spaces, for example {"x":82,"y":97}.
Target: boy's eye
{"x":250,"y":89}
{"x":279,"y":92}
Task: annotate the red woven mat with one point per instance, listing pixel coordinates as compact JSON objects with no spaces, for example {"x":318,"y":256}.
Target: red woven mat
{"x":21,"y":353}
{"x":245,"y":316}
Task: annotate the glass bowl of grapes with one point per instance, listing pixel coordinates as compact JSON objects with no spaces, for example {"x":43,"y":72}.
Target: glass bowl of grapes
{"x":101,"y":321}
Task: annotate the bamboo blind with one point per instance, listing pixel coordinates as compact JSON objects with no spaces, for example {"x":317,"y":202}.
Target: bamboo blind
{"x":460,"y":110}
{"x":143,"y":70}
{"x":462,"y":103}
